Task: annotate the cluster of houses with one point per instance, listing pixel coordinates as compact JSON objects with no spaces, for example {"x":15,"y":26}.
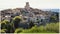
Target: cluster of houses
{"x":29,"y":14}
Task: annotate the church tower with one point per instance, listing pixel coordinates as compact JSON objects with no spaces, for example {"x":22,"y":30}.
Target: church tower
{"x":27,"y":6}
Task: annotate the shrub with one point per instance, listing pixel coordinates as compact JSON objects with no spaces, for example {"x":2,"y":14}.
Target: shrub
{"x":3,"y":31}
{"x":53,"y":27}
{"x":49,"y":28}
{"x":18,"y":30}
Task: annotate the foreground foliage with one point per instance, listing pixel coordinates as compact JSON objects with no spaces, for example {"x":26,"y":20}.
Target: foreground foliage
{"x":49,"y":28}
{"x":13,"y":27}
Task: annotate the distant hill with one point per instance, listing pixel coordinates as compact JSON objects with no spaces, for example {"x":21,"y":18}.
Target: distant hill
{"x":29,"y":12}
{"x":53,"y":10}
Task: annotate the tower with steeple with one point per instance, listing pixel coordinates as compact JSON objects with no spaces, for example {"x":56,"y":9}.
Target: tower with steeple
{"x":27,"y":6}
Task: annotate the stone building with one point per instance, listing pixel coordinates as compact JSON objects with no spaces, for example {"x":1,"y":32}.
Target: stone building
{"x":27,"y":7}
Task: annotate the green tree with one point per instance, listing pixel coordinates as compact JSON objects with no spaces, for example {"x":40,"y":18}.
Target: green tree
{"x":7,"y":25}
{"x":4,"y":24}
{"x":16,"y":21}
{"x":53,"y":18}
{"x":31,"y":24}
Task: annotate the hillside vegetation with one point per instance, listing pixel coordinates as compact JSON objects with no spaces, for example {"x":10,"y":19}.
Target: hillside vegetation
{"x":49,"y":28}
{"x":13,"y":27}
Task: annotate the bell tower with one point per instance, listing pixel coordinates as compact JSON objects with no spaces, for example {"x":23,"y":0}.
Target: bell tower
{"x":27,"y":6}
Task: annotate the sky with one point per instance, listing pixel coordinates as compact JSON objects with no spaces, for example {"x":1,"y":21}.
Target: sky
{"x":40,"y":4}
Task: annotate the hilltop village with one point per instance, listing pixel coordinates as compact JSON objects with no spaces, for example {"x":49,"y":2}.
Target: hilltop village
{"x":28,"y":14}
